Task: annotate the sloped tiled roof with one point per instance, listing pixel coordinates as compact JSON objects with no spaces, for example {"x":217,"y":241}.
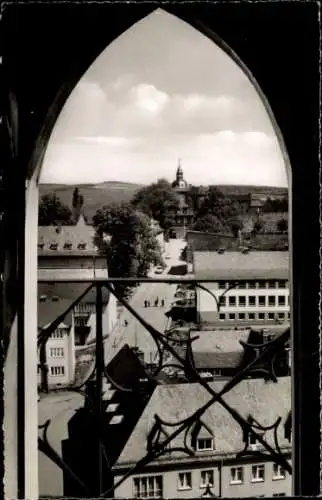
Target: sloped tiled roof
{"x":68,"y":239}
{"x":264,"y":401}
{"x":219,"y":340}
{"x":50,"y":309}
{"x":217,"y":359}
{"x":71,"y":291}
{"x":238,"y":265}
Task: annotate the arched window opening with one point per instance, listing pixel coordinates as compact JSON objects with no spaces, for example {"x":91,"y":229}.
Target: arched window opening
{"x":126,"y":207}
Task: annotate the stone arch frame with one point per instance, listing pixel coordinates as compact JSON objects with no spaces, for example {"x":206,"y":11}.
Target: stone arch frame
{"x":35,"y":165}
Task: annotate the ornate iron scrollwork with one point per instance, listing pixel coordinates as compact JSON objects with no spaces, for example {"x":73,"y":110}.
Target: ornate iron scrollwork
{"x":176,"y":351}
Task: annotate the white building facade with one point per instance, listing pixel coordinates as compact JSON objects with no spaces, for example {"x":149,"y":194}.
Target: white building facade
{"x":247,"y":288}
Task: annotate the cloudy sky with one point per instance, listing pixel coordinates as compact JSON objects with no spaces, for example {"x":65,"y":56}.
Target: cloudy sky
{"x":160,"y":92}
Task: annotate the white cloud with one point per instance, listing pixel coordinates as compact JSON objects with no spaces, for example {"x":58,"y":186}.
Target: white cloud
{"x":148,"y":98}
{"x":142,"y":105}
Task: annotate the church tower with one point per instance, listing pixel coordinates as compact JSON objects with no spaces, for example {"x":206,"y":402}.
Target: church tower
{"x":179,"y":182}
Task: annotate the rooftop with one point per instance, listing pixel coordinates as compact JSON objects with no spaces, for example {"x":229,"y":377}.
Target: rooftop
{"x":71,"y":240}
{"x":51,"y":308}
{"x":217,"y":359}
{"x":238,"y":265}
{"x":70,"y":292}
{"x":264,"y":401}
{"x":219,"y":340}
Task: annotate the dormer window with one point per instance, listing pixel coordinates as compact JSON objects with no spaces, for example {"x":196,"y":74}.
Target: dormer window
{"x":82,"y":246}
{"x":43,"y":298}
{"x":41,"y":245}
{"x":202,"y":438}
{"x":68,"y":245}
{"x":205,"y":444}
{"x":53,"y":245}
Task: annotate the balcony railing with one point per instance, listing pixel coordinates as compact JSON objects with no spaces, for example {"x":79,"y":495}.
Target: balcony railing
{"x":259,"y":357}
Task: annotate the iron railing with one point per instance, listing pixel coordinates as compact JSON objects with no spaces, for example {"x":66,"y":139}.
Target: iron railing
{"x":260,"y":357}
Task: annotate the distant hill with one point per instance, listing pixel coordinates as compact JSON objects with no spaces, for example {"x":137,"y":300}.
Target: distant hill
{"x":97,"y":195}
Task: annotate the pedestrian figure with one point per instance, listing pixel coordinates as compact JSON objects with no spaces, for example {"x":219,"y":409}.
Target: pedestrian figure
{"x":149,"y":303}
{"x":125,"y":323}
{"x":156,"y":302}
{"x":145,"y":303}
{"x":162,"y":303}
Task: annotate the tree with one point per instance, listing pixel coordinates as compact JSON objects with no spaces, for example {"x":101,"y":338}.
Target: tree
{"x":258,"y":225}
{"x":53,"y":212}
{"x":159,"y":201}
{"x":235,"y":225}
{"x":209,"y":223}
{"x":77,"y":203}
{"x":133,"y":246}
{"x":220,"y":205}
{"x":282,"y":225}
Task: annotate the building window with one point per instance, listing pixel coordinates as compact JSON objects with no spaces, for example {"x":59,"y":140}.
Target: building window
{"x":222,"y":301}
{"x":232,"y":300}
{"x":231,"y":316}
{"x":252,"y":300}
{"x":184,"y":481}
{"x":279,"y":494}
{"x":222,"y":284}
{"x":258,"y":473}
{"x":251,"y":315}
{"x":206,"y":478}
{"x":278,"y":472}
{"x":148,"y":487}
{"x":261,"y":316}
{"x":261,"y":284}
{"x":56,"y":352}
{"x":271,"y":284}
{"x":282,"y":284}
{"x":242,"y":301}
{"x":222,"y":316}
{"x":271,"y":316}
{"x":261,"y":300}
{"x":205,"y":444}
{"x":236,"y":475}
{"x":281,"y":315}
{"x":57,"y":370}
{"x":281,"y":300}
{"x":241,"y":316}
{"x":81,"y":246}
{"x":53,"y":246}
{"x":242,"y":284}
{"x":81,"y":321}
{"x":68,"y":245}
{"x":57,"y":334}
{"x":271,"y":300}
{"x":252,"y":284}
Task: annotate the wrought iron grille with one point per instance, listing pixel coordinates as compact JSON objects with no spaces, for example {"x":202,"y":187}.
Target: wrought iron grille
{"x":259,"y":357}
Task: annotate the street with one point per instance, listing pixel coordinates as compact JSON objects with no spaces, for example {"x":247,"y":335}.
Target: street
{"x":132,"y":332}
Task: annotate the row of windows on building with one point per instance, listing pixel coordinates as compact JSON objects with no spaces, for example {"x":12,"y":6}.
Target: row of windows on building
{"x":56,"y":352}
{"x":152,"y":486}
{"x":253,"y":284}
{"x":253,"y":316}
{"x":254,"y":301}
{"x":67,"y":246}
{"x":54,"y":370}
{"x":59,"y":334}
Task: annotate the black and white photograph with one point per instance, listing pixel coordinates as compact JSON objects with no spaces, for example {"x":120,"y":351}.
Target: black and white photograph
{"x":160,"y":337}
